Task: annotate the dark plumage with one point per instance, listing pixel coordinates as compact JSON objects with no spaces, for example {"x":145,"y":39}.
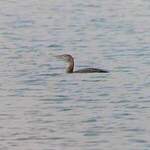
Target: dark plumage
{"x":91,"y":70}
{"x":70,"y":69}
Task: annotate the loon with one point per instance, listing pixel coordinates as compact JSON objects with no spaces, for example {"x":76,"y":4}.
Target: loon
{"x":70,"y":69}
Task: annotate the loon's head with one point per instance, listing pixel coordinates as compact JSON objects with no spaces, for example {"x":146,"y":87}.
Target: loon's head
{"x":65,"y":57}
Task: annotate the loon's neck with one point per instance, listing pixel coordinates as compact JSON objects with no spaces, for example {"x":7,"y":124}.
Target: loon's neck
{"x":70,"y":66}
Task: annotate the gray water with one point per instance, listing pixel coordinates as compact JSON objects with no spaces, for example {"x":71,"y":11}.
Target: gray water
{"x":42,"y":107}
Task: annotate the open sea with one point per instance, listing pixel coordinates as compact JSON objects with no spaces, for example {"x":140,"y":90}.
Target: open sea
{"x":42,"y":107}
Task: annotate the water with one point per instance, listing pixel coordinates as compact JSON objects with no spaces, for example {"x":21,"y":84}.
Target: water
{"x":43,"y":108}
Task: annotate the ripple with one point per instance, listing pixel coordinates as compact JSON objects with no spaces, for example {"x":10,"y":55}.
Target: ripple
{"x":42,"y":107}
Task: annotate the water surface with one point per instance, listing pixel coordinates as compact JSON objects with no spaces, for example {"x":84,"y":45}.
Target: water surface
{"x":42,"y":107}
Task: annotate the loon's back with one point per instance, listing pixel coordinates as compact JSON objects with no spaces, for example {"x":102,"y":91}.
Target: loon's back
{"x":91,"y":70}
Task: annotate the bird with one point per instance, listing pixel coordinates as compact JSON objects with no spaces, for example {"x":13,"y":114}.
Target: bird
{"x":70,"y":68}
